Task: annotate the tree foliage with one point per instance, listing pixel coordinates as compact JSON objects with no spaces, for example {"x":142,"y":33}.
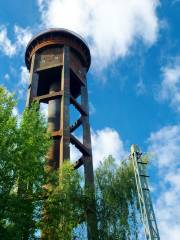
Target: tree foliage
{"x":116,"y":198}
{"x":22,"y":155}
{"x":33,"y":200}
{"x":64,"y":207}
{"x":116,"y":203}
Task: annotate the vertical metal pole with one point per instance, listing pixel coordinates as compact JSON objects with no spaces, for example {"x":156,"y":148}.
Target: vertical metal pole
{"x":88,"y":167}
{"x":32,"y":90}
{"x":65,"y":102}
{"x":88,"y":164}
{"x":54,"y":125}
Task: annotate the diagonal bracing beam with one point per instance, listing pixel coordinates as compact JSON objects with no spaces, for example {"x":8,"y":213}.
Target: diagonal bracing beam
{"x":84,"y":150}
{"x":76,"y":125}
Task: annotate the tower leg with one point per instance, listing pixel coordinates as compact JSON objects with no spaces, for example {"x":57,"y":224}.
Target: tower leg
{"x":65,"y":102}
{"x":88,"y":168}
{"x":33,"y":86}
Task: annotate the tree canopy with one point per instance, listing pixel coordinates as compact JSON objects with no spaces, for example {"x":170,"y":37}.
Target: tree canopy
{"x":23,"y":146}
{"x":116,"y":200}
{"x":28,"y":208}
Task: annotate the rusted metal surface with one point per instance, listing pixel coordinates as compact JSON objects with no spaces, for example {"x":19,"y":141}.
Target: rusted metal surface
{"x":58,"y":37}
{"x":79,"y":163}
{"x":65,"y":102}
{"x":52,"y":56}
{"x":51,"y":31}
{"x":88,"y":165}
{"x":83,"y":149}
{"x":54,"y":112}
{"x":74,"y":126}
{"x":77,"y":66}
{"x":32,"y":90}
{"x":57,"y":134}
{"x":47,"y":97}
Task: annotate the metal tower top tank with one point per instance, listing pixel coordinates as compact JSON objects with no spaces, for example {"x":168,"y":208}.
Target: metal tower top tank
{"x":58,"y":61}
{"x":58,"y":37}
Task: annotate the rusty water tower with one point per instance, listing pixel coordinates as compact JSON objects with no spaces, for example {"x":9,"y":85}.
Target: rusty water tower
{"x":58,"y":61}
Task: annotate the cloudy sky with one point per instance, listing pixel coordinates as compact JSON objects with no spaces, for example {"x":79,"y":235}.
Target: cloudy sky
{"x":134,"y":80}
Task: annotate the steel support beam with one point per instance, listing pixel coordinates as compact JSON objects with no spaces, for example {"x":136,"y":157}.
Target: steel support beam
{"x":65,"y":102}
{"x":88,"y":167}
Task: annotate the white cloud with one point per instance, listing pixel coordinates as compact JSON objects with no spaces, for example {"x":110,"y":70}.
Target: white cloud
{"x":74,"y":153}
{"x":24,"y":75}
{"x":6,"y":46}
{"x":23,"y":36}
{"x":23,"y":82}
{"x":111,"y":27}
{"x":170,"y":86}
{"x":105,"y":142}
{"x":165,"y":144}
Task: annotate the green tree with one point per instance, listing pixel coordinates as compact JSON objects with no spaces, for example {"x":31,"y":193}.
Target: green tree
{"x":22,"y":157}
{"x":64,"y":207}
{"x":117,"y":209}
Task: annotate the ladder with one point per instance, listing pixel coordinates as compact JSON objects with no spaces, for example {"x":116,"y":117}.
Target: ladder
{"x":144,"y":197}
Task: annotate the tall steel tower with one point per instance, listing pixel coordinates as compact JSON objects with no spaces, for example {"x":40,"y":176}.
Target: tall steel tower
{"x":58,"y":61}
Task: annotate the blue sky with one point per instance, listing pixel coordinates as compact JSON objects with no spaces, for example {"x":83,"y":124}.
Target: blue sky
{"x":134,"y":80}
